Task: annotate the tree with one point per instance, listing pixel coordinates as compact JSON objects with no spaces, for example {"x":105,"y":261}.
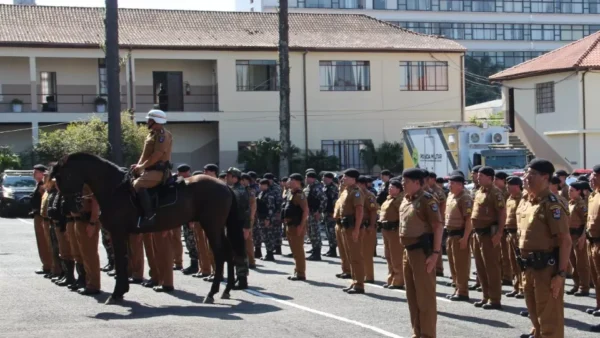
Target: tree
{"x":368,"y":154}
{"x":263,"y":156}
{"x":390,"y":156}
{"x":321,"y":161}
{"x":8,"y":159}
{"x":91,"y":137}
{"x":477,"y":89}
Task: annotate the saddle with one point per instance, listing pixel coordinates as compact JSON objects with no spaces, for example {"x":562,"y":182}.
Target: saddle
{"x":166,"y":193}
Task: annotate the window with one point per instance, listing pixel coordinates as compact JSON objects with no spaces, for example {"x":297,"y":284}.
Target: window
{"x":48,"y":91}
{"x":542,"y":32}
{"x":102,"y":81}
{"x":513,"y":6}
{"x":484,"y":6}
{"x":345,"y":75}
{"x":347,"y":152}
{"x":257,"y":75}
{"x":416,"y":5}
{"x":451,"y":5}
{"x":423,"y":76}
{"x":544,"y":97}
{"x":318,"y":3}
{"x":379,"y":4}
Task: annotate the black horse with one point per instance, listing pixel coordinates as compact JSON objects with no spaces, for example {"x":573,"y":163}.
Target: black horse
{"x":199,"y":198}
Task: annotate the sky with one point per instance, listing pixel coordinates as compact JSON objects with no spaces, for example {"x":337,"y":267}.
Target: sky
{"x":209,"y":5}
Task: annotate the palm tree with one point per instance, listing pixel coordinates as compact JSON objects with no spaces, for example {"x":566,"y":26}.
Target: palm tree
{"x":263,"y":156}
{"x":389,"y":156}
{"x":368,"y":154}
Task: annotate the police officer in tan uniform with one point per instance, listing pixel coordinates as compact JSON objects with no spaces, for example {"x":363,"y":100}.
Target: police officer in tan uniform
{"x":389,"y":216}
{"x":592,"y":232}
{"x":459,"y":207}
{"x":563,"y":186}
{"x":555,"y":189}
{"x":506,"y":270}
{"x":488,"y":217}
{"x":475,"y":248}
{"x":515,"y":188}
{"x":295,"y":217}
{"x":352,"y":202}
{"x":545,"y":246}
{"x":369,"y":241}
{"x":439,"y":194}
{"x":578,"y":210}
{"x":421,"y":234}
{"x":154,"y":162}
{"x":339,"y":235}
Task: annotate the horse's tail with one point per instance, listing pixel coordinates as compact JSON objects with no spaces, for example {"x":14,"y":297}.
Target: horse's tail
{"x":235,"y":232}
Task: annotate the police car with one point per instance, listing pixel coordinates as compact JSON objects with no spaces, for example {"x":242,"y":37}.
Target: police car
{"x":16,"y":187}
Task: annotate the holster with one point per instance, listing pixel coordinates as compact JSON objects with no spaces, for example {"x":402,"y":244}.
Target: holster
{"x":577,"y":231}
{"x":454,"y":233}
{"x":348,"y":222}
{"x":483,"y":231}
{"x":425,"y":242}
{"x":390,"y":225}
{"x":539,"y":260}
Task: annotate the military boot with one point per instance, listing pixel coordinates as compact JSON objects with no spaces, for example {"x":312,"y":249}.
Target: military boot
{"x":69,"y":275}
{"x":192,"y":269}
{"x":148,"y":218}
{"x":108,"y":267}
{"x":278,"y":250}
{"x":80,"y":282}
{"x":257,"y":252}
{"x":315,"y":255}
{"x":269,"y":257}
{"x":241,"y":283}
{"x":332,"y":252}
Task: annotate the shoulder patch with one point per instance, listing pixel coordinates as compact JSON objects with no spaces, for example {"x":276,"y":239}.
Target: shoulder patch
{"x":161,"y":139}
{"x":427,"y":195}
{"x":555,"y":212}
{"x":433,"y":206}
{"x":357,"y":194}
{"x":552,"y":198}
{"x":469,"y":203}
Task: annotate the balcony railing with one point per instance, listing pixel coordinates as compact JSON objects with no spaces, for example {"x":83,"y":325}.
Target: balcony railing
{"x":84,"y":103}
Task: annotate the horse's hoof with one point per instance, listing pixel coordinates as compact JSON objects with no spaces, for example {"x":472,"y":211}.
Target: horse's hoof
{"x":225,"y":296}
{"x":112,"y":301}
{"x":209,"y":300}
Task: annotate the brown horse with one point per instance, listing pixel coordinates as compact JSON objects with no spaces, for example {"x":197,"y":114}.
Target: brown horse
{"x":199,"y":198}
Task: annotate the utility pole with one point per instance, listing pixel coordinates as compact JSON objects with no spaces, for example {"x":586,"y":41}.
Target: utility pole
{"x":284,"y":89}
{"x":111,"y":23}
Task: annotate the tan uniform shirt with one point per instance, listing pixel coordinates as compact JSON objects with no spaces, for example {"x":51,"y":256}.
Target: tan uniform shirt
{"x":370,"y":207}
{"x":157,"y":141}
{"x":390,"y":209}
{"x":439,"y":194}
{"x":489,"y":202}
{"x":350,"y":199}
{"x":512,"y":205}
{"x":578,"y":213}
{"x":457,"y":208}
{"x":417,"y":213}
{"x":44,"y":208}
{"x":540,"y":220}
{"x":593,"y":219}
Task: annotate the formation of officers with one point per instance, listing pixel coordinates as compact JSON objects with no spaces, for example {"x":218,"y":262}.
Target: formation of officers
{"x":529,"y":233}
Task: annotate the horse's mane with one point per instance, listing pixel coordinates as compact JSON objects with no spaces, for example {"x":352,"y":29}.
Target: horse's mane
{"x":83,"y":156}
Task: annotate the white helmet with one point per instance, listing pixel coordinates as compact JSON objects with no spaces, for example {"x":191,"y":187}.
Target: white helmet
{"x":157,"y":115}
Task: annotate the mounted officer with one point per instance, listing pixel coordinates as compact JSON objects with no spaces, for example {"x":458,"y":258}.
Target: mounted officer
{"x":153,"y":164}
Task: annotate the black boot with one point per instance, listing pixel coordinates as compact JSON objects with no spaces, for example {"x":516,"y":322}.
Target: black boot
{"x":278,"y":250}
{"x":108,"y":267}
{"x":241,"y":283}
{"x":332,"y":252}
{"x":269,"y":257}
{"x":192,"y":269}
{"x":63,"y":274}
{"x":69,"y":275}
{"x":257,"y":252}
{"x":80,"y":282}
{"x":147,"y":220}
{"x":315,"y":255}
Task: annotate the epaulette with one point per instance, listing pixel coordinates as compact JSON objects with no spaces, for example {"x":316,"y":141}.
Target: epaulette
{"x":552,"y":198}
{"x":427,"y":195}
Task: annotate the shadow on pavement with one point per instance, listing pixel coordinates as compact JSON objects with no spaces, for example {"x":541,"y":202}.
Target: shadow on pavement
{"x":269,"y":272}
{"x":274,"y":295}
{"x":325,"y":285}
{"x":223,"y":312}
{"x":382,"y":297}
{"x":483,"y":321}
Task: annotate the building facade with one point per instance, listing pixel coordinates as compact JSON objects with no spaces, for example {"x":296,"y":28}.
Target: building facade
{"x":508,"y":32}
{"x":220,"y":98}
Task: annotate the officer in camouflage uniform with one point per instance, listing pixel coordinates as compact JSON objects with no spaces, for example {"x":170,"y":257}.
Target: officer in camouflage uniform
{"x":317,"y":203}
{"x":266,"y":214}
{"x":188,"y":233}
{"x":332,"y":193}
{"x":277,"y":225}
{"x":107,"y":243}
{"x":256,"y":232}
{"x":242,"y":195}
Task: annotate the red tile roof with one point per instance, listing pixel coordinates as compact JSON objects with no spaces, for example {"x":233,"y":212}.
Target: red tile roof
{"x":49,"y":26}
{"x":580,"y":54}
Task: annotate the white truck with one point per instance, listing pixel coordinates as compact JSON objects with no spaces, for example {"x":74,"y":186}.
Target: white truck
{"x":442,"y":147}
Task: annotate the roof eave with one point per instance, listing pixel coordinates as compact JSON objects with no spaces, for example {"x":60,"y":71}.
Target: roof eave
{"x":535,"y":73}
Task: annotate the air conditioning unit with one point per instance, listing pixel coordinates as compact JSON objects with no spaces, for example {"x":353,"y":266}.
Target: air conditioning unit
{"x":475,"y":138}
{"x":497,"y":138}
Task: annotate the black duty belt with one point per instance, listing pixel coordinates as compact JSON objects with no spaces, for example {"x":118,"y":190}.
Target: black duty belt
{"x":511,"y":231}
{"x":385,"y":225}
{"x":160,"y":166}
{"x":452,"y":233}
{"x":483,"y":231}
{"x":591,"y":239}
{"x":538,"y":260}
{"x":577,"y":231}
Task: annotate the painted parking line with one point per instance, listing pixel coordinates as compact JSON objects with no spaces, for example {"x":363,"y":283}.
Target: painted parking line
{"x":403,"y":291}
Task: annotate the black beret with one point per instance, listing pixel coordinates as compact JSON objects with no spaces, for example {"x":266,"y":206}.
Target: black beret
{"x":363,"y":179}
{"x":579,"y":185}
{"x":183,"y":168}
{"x":246,"y":177}
{"x":396,"y":183}
{"x":425,"y":173}
{"x":386,"y":172}
{"x":352,"y":173}
{"x":457,"y":177}
{"x":252,"y":174}
{"x":197,"y":172}
{"x":264,"y":181}
{"x":596,"y":169}
{"x":329,"y":175}
{"x":413,"y":173}
{"x":554,"y":180}
{"x":211,"y":167}
{"x":311,"y":174}
{"x":541,"y":165}
{"x":561,"y":172}
{"x":501,"y":175}
{"x":309,"y":170}
{"x":40,"y":167}
{"x":514,"y":180}
{"x":457,"y":172}
{"x":488,"y":171}
{"x":475,"y":169}
{"x":284,"y":179}
{"x":432,"y":174}
{"x":296,"y":177}
{"x":222,"y":175}
{"x":586,"y":186}
{"x":583,"y":178}
{"x":369,"y":179}
{"x":269,"y":176}
{"x":439,"y":180}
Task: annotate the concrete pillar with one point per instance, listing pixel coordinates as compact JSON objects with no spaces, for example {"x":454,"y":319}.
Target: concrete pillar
{"x":35,"y":133}
{"x":368,"y":4}
{"x":130,"y":76}
{"x":33,"y":83}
